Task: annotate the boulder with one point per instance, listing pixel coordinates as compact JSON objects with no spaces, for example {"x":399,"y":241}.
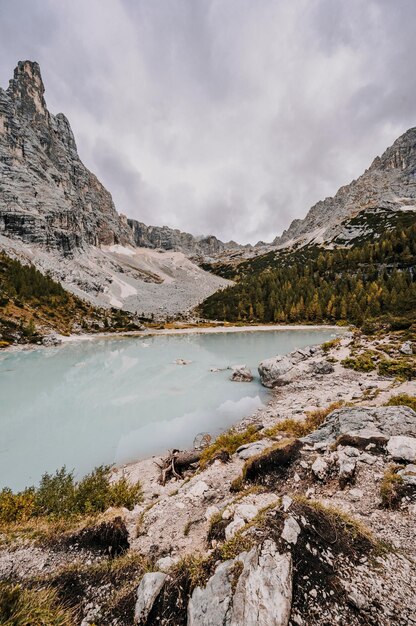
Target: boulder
{"x":150,"y":586}
{"x":357,"y":422}
{"x":241,"y":374}
{"x":320,"y":468}
{"x":51,"y":340}
{"x":402,"y":448}
{"x":246,"y":511}
{"x":272,"y":370}
{"x":347,"y":461}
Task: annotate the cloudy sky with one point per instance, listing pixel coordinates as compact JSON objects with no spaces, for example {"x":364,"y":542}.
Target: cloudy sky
{"x":229,"y":117}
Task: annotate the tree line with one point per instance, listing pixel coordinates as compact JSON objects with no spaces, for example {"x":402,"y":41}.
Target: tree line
{"x":318,"y":285}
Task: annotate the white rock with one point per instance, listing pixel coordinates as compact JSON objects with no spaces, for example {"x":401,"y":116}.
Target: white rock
{"x":246,"y":511}
{"x":164,"y":564}
{"x":198,"y":489}
{"x":286,"y":502}
{"x":355,"y":495}
{"x":234,"y":527}
{"x":211,"y":605}
{"x":313,"y":593}
{"x":147,"y":592}
{"x":406,"y":348}
{"x":320,"y":468}
{"x":402,"y":448}
{"x":291,"y":530}
{"x":211,"y":511}
{"x":252,"y":449}
{"x":228,"y":513}
{"x":263,"y":595}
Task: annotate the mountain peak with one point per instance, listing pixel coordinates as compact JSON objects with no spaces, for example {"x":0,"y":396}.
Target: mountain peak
{"x":26,"y":89}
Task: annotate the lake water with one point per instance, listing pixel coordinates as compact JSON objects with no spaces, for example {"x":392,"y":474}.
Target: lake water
{"x":117,"y":400}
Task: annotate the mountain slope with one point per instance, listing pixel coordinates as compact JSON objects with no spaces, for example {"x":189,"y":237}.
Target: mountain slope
{"x":388,"y":185}
{"x":55,"y":214}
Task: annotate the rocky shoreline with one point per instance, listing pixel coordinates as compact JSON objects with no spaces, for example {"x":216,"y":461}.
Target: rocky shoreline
{"x":275,"y":532}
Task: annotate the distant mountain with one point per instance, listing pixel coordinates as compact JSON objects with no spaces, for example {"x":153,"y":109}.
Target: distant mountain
{"x":386,"y":188}
{"x":55,"y":214}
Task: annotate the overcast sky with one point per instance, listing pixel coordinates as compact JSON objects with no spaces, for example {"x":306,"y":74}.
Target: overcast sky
{"x":229,"y":117}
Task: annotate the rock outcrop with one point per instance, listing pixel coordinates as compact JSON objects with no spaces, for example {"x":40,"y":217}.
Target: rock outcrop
{"x":47,"y":195}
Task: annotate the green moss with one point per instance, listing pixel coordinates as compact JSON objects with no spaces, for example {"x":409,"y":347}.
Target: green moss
{"x":402,"y":369}
{"x":297,"y":428}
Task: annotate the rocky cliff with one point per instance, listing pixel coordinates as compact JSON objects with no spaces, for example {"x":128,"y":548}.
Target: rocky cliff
{"x":47,"y":195}
{"x":388,"y":185}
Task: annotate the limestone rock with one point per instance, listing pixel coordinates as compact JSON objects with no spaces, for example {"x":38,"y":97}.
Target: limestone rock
{"x":242,"y":374}
{"x":389,"y":421}
{"x":263,"y":595}
{"x":211,"y":606}
{"x":291,"y":530}
{"x":321,"y":367}
{"x":406,"y":348}
{"x":252,"y":449}
{"x":237,"y":524}
{"x":272,"y":370}
{"x":402,"y":448}
{"x":408,"y":474}
{"x":246,"y":511}
{"x":149,"y":588}
{"x":320,"y":468}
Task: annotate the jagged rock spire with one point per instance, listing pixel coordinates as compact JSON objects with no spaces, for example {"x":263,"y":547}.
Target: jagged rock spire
{"x":26,"y":89}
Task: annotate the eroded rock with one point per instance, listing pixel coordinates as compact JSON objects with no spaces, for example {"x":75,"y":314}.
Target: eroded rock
{"x":147,"y":592}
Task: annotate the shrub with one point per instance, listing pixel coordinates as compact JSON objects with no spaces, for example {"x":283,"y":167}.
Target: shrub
{"x":328,"y":345}
{"x":58,"y":495}
{"x":402,"y":399}
{"x":391,"y":488}
{"x":31,"y":607}
{"x":361,"y":363}
{"x":397,"y":368}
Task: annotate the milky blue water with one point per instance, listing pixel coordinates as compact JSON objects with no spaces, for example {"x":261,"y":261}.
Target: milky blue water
{"x":118,"y":400}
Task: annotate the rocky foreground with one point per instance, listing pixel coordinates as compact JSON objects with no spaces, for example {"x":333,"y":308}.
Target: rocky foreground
{"x":304,"y":514}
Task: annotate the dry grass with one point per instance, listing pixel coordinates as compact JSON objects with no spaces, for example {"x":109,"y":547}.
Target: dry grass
{"x":402,"y":399}
{"x":32,"y":607}
{"x":297,"y":428}
{"x":391,"y":488}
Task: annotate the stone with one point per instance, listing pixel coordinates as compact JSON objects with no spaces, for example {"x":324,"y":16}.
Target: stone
{"x":347,"y":463}
{"x":148,"y":590}
{"x":321,"y":367}
{"x":232,"y":528}
{"x":211,"y":511}
{"x":252,"y":449}
{"x":408,"y":474}
{"x":165,"y":563}
{"x":320,"y":468}
{"x":353,"y":421}
{"x":182,"y":362}
{"x":406,"y":348}
{"x":242,"y":374}
{"x":272,"y":370}
{"x":286,"y":503}
{"x":402,"y":448}
{"x":263,"y":594}
{"x":355,"y":495}
{"x":198,"y":489}
{"x":211,"y":605}
{"x":51,"y":340}
{"x":246,"y":511}
{"x":291,"y":530}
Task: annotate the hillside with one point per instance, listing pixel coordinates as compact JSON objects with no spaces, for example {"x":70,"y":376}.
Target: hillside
{"x":33,"y":305}
{"x":316,"y":285}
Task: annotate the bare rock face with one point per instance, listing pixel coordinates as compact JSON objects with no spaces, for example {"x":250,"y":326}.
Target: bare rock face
{"x":47,"y":195}
{"x":388,"y":185}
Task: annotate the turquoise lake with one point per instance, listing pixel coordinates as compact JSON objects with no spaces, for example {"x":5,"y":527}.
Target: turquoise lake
{"x":107,"y":401}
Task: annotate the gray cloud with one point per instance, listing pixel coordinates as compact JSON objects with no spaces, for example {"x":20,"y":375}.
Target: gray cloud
{"x":230,"y":118}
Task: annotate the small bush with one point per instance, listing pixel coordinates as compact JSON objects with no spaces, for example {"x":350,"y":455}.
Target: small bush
{"x":59,"y":496}
{"x":402,"y":399}
{"x":395,"y":368}
{"x":328,"y":345}
{"x":361,"y":363}
{"x":31,"y":607}
{"x":391,"y":488}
